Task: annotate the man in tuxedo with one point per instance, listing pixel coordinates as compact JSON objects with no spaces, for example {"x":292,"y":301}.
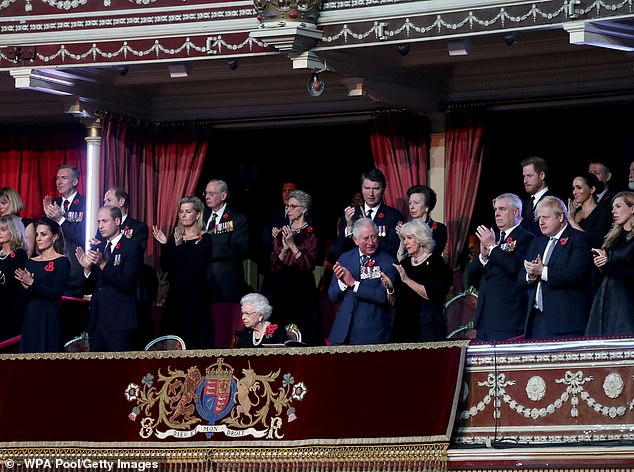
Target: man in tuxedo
{"x":604,"y":174}
{"x":556,"y":272}
{"x":69,"y":211}
{"x":534,"y":170}
{"x":501,"y":309}
{"x":365,"y":314}
{"x":385,"y":217}
{"x":229,"y":232}
{"x":130,"y":228}
{"x":113,"y":269}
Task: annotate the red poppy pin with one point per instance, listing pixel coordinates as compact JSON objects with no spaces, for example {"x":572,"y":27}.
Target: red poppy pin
{"x":76,"y":201}
{"x":309,"y":229}
{"x":563,"y":241}
{"x":434,"y":226}
{"x":50,"y":267}
{"x":199,"y":239}
{"x":509,"y":239}
{"x":380,"y":215}
{"x":126,"y":229}
{"x":370,"y":262}
{"x":225,"y":216}
{"x":12,"y":254}
{"x":118,"y":246}
{"x":270,"y":329}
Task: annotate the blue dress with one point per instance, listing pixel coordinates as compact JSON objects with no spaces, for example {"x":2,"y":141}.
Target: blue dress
{"x":42,"y":330}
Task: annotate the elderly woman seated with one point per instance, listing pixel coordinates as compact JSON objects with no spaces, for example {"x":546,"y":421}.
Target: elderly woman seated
{"x":258,"y":331}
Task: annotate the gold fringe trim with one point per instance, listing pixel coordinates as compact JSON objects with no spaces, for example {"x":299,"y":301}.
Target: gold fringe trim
{"x":386,"y":458}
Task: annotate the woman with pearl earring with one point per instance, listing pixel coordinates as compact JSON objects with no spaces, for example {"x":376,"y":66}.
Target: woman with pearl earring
{"x":258,"y":330}
{"x":184,"y":258}
{"x":420,"y":295}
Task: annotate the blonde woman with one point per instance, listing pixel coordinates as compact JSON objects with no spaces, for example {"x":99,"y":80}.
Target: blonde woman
{"x":184,"y":257}
{"x":12,"y":256}
{"x":11,"y":204}
{"x":613,"y":307}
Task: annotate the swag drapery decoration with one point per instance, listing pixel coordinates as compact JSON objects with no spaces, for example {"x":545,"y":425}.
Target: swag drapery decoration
{"x":380,"y":407}
{"x":157,"y":164}
{"x":400,"y":147}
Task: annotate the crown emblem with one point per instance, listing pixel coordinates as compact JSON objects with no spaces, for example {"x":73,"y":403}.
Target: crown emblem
{"x":301,"y":11}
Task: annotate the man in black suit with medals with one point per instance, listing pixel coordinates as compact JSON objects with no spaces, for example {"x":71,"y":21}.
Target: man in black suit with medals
{"x":385,"y":217}
{"x":501,"y":309}
{"x":112,"y":269}
{"x":69,"y":211}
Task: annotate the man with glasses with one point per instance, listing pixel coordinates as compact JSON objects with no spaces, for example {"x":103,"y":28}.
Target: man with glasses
{"x":359,"y":286}
{"x":229,"y":232}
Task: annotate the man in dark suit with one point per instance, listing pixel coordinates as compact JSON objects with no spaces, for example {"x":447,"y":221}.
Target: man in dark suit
{"x":556,"y":272}
{"x":385,"y":217}
{"x":534,"y":170}
{"x":130,"y":228}
{"x":229,"y":232}
{"x":604,"y":174}
{"x":365,"y":314}
{"x":113,"y":268}
{"x":69,"y":211}
{"x":501,"y":309}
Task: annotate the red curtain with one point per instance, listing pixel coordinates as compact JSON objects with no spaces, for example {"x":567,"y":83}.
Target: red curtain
{"x":157,"y":165}
{"x":29,"y":158}
{"x":464,"y":153}
{"x":400,"y":146}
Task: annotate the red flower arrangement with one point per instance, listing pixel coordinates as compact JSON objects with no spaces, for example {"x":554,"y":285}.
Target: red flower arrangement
{"x":118,"y":246}
{"x":76,"y":201}
{"x":50,"y":267}
{"x":12,"y":254}
{"x":434,"y":226}
{"x":309,"y":229}
{"x":225,"y":216}
{"x":509,"y":239}
{"x":563,"y":241}
{"x":380,"y":215}
{"x":270,"y":329}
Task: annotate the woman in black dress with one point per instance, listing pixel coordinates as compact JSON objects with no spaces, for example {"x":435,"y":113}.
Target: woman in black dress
{"x":11,"y":204}
{"x":584,"y":213}
{"x":44,"y":278}
{"x":12,"y":256}
{"x":184,"y":257}
{"x":258,"y":330}
{"x":613,"y":307}
{"x":420,"y":295}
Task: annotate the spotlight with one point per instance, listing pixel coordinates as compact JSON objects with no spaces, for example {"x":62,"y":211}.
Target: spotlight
{"x":315,"y":85}
{"x":510,"y":39}
{"x":233,"y":64}
{"x":460,"y":47}
{"x":403,"y":49}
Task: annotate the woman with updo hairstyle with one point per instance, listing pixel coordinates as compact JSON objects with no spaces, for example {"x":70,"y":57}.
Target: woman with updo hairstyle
{"x":12,"y":256}
{"x":44,"y":278}
{"x":612,"y":311}
{"x":258,"y":330}
{"x":293,"y":291}
{"x":584,"y":213}
{"x":420,"y":294}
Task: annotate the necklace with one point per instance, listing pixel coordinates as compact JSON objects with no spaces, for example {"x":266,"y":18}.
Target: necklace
{"x":297,"y":230}
{"x":258,"y":341}
{"x":420,"y":259}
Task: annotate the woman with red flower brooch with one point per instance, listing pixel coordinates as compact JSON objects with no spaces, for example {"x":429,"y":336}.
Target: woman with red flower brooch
{"x":12,"y":256}
{"x":258,"y":330}
{"x":44,"y":278}
{"x":292,"y":283}
{"x":184,"y":258}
